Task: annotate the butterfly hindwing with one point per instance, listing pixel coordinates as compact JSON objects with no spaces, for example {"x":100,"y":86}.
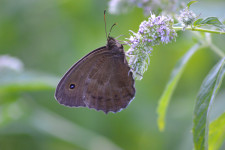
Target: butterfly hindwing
{"x":111,"y":87}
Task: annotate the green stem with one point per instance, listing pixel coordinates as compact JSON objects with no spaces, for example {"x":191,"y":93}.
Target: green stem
{"x":213,"y":47}
{"x":199,"y":29}
{"x":217,"y":50}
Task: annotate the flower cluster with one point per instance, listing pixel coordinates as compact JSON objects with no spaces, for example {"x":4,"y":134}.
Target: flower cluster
{"x":155,"y":31}
{"x":122,"y":6}
{"x":186,"y":17}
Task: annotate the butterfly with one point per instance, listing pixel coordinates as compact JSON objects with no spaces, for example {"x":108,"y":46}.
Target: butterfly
{"x":101,"y":80}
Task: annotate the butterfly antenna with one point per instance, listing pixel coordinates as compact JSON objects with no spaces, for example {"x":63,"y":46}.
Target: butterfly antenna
{"x":105,"y":25}
{"x":111,"y":29}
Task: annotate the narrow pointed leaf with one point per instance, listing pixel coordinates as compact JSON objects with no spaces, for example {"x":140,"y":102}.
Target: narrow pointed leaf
{"x":25,"y":80}
{"x":213,"y":21}
{"x":198,"y":22}
{"x":217,"y":133}
{"x":190,"y":3}
{"x":174,"y":78}
{"x":203,"y":103}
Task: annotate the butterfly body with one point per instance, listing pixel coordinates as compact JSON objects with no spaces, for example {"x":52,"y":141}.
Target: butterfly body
{"x":101,"y":80}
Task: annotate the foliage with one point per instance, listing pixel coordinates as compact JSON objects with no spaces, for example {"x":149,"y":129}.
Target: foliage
{"x":40,"y":40}
{"x":174,"y":78}
{"x":214,"y":21}
{"x":217,"y":133}
{"x":203,"y":104}
{"x":210,"y":85}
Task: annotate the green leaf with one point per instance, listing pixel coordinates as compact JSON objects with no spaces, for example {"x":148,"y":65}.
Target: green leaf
{"x":214,"y":21}
{"x":26,"y":80}
{"x":190,"y":3}
{"x":217,"y":133}
{"x":197,"y":22}
{"x":204,"y":100}
{"x":13,"y":82}
{"x":174,"y":78}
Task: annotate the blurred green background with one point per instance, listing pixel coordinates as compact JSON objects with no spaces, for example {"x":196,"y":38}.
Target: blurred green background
{"x":49,"y":36}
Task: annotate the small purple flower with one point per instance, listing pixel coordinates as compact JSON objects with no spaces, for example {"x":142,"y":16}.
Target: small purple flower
{"x":140,"y":5}
{"x":187,"y":17}
{"x":155,"y":31}
{"x":159,"y":30}
{"x":141,"y":30}
{"x":167,"y":32}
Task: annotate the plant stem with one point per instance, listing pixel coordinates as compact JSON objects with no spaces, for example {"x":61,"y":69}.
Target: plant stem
{"x":199,"y":29}
{"x":213,"y":47}
{"x":217,"y":50}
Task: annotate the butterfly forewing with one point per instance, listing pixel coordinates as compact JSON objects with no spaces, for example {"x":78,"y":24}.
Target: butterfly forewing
{"x":101,"y":80}
{"x":76,"y":75}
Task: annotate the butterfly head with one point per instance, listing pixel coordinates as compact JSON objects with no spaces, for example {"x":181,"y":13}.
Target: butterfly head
{"x":113,"y":44}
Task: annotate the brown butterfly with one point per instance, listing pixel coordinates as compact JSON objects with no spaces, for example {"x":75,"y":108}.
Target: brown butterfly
{"x":101,"y":80}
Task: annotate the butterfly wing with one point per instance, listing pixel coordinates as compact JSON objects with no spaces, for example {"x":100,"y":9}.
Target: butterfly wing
{"x":111,"y":86}
{"x":102,"y":81}
{"x":76,"y":75}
